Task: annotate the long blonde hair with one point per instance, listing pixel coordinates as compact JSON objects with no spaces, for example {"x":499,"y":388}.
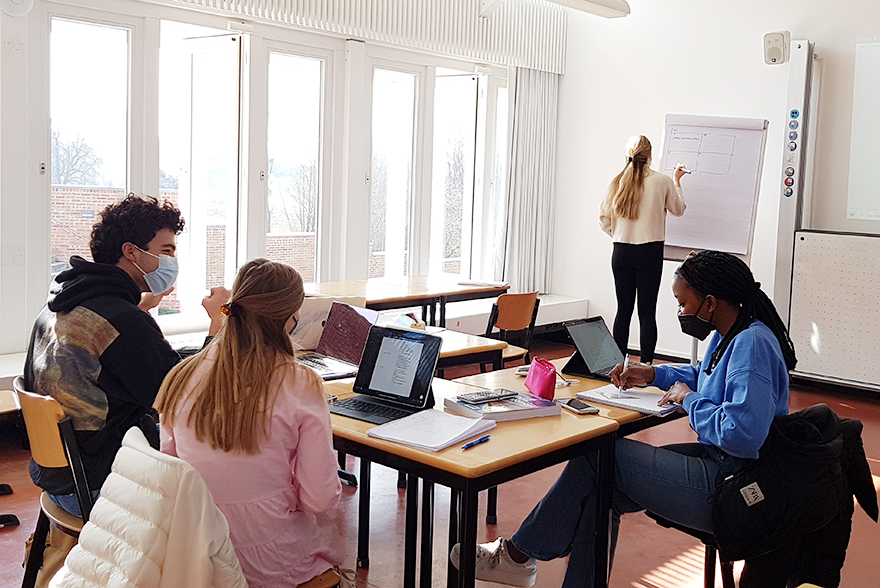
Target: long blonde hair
{"x":234,"y":408}
{"x":625,"y":194}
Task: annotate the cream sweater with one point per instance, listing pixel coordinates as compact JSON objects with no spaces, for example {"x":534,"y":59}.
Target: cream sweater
{"x":661,"y":195}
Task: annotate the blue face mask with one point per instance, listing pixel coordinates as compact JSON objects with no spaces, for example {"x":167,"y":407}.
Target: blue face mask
{"x":163,"y":277}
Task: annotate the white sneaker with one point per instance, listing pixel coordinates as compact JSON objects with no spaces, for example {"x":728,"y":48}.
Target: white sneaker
{"x":495,"y":565}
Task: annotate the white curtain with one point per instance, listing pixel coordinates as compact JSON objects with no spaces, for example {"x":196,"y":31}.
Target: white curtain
{"x":532,"y":183}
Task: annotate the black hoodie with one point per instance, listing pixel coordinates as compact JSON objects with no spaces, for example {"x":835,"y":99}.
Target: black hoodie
{"x":101,"y":357}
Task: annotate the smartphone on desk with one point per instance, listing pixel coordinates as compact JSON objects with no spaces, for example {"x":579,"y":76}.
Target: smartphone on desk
{"x":577,"y":406}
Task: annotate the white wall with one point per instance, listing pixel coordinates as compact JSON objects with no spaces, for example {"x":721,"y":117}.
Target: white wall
{"x":693,"y":57}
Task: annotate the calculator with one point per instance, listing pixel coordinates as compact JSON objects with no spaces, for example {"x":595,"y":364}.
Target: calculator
{"x":486,"y":396}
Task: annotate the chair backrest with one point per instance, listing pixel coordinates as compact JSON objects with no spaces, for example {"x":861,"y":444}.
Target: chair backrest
{"x":515,"y":316}
{"x":41,"y":416}
{"x":516,"y":311}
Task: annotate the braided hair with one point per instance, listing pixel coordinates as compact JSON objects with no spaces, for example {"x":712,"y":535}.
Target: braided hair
{"x":727,"y":277}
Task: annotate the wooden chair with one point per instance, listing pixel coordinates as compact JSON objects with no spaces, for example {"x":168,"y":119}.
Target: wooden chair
{"x":708,"y":540}
{"x":53,"y":445}
{"x":328,"y":579}
{"x":514,"y":315}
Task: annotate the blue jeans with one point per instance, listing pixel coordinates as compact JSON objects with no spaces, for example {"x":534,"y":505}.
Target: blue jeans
{"x":69,"y":502}
{"x":675,"y":481}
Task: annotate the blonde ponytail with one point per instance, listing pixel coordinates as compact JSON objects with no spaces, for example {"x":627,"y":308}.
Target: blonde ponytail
{"x":625,"y":194}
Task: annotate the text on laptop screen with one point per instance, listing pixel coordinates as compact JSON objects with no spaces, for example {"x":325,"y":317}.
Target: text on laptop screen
{"x":596,"y":344}
{"x":396,"y":366}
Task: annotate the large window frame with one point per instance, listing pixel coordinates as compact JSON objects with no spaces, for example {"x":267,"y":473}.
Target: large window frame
{"x":344,"y":201}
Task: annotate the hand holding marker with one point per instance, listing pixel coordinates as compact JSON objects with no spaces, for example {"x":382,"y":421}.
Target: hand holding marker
{"x":684,"y":169}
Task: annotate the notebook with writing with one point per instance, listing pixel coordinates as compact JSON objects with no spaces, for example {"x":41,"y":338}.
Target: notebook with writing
{"x":597,"y":352}
{"x":342,"y":342}
{"x":394,"y":378}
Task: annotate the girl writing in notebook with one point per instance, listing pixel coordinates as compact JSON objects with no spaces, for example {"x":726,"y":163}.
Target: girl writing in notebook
{"x":256,"y":426}
{"x":634,"y":214}
{"x":731,"y":398}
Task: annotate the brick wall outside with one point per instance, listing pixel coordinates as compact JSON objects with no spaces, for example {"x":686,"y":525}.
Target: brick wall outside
{"x":215,"y":256}
{"x":76,"y":208}
{"x":297,"y":250}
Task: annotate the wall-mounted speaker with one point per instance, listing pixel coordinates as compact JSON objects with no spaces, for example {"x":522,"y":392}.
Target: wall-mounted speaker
{"x":777,"y":47}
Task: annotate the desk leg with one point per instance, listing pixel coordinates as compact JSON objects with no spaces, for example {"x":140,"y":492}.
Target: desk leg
{"x":401,"y":479}
{"x":363,"y":548}
{"x":603,"y":514}
{"x":427,"y":547}
{"x":470,"y":498}
{"x":454,"y":519}
{"x":442,"y":312}
{"x":411,"y":533}
{"x":492,"y":506}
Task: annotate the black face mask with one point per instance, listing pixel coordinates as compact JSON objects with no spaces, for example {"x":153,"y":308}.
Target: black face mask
{"x":695,"y":326}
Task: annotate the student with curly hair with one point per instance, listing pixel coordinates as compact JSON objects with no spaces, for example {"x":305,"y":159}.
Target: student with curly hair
{"x":256,"y":425}
{"x":731,"y":397}
{"x":94,"y":348}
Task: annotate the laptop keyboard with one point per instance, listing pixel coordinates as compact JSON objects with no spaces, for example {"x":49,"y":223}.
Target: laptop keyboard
{"x":313,"y":362}
{"x":606,"y":372}
{"x":357,"y":404}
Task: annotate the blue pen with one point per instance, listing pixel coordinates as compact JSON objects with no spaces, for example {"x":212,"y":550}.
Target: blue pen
{"x":482,"y":439}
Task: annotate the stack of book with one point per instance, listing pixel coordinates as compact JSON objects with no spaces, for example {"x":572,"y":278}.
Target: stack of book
{"x":521,"y":406}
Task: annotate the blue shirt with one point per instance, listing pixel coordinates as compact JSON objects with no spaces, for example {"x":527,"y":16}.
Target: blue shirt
{"x":732,"y":407}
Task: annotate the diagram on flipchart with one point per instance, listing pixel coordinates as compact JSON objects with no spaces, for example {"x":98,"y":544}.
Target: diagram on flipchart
{"x":708,"y":153}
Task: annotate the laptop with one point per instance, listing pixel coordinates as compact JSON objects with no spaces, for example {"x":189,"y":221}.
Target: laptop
{"x":394,"y":378}
{"x":342,"y":342}
{"x":597,"y":352}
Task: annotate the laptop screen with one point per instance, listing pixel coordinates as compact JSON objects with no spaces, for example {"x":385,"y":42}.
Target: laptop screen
{"x":398,"y":365}
{"x":595,"y":343}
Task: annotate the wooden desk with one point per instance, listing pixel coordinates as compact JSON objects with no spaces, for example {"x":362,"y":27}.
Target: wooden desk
{"x":424,"y":291}
{"x":462,"y":348}
{"x":630,"y":421}
{"x":517,"y":448}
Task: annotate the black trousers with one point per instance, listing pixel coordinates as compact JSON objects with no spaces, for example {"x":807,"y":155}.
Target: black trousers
{"x":637,"y":271}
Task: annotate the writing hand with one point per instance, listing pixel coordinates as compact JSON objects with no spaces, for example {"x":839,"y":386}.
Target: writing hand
{"x":675,"y":395}
{"x":679,"y":172}
{"x":635,"y":375}
{"x":150,"y":301}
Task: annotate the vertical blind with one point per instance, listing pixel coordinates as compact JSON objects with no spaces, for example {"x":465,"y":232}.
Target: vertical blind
{"x":523,"y":33}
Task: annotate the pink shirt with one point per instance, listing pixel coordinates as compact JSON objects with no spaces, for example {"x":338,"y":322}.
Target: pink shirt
{"x":278,"y":502}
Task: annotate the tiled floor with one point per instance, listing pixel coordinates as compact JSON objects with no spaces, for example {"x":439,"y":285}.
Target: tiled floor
{"x":648,"y":556}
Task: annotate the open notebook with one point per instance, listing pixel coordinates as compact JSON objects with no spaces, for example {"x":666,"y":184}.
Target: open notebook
{"x":642,"y":400}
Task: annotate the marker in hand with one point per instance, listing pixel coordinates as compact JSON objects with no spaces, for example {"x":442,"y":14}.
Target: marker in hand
{"x":683,"y":168}
{"x":623,"y":371}
{"x":475,"y":442}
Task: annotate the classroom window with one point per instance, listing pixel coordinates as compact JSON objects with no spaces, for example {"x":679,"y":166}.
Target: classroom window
{"x":452,"y":178}
{"x":88,"y":105}
{"x":199,"y":101}
{"x":393,"y":139}
{"x":294,"y":149}
{"x":494,"y":266}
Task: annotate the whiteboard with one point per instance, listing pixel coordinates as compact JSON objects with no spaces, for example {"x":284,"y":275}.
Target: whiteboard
{"x":725,"y":156}
{"x":835,"y":318}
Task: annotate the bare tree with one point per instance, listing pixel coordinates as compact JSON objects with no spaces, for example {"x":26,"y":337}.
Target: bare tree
{"x":454,"y":201}
{"x":294,"y":199}
{"x":378,"y":197}
{"x":74,"y":162}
